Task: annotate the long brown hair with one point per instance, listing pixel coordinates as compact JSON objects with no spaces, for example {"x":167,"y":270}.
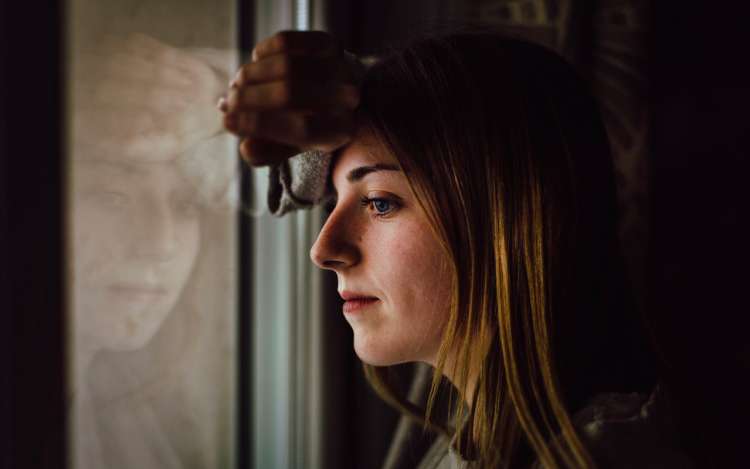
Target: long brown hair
{"x":506,"y":152}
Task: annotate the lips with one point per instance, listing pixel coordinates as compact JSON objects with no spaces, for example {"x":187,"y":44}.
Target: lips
{"x":352,"y":306}
{"x":356,"y":301}
{"x":137,"y":289}
{"x":350,"y":295}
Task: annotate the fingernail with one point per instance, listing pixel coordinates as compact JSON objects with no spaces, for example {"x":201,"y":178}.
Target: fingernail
{"x":222,"y":104}
{"x":235,"y":82}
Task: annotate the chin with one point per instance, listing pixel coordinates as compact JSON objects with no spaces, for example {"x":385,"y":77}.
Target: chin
{"x":378,"y":355}
{"x":133,"y":333}
{"x":129,"y":342}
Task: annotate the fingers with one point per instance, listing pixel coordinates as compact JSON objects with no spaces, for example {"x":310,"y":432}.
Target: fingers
{"x":297,"y":94}
{"x":324,"y":132}
{"x":293,"y":96}
{"x":289,"y":67}
{"x":315,"y":43}
{"x":258,"y":152}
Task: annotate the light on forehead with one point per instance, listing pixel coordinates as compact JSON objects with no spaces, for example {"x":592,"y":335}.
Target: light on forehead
{"x":372,"y":155}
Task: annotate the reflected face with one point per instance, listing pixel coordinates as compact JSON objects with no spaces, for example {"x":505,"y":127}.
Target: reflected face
{"x":136,"y":235}
{"x":378,"y":241}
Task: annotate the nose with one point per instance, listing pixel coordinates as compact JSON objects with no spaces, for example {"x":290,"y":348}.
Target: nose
{"x":335,"y":248}
{"x":157,"y":234}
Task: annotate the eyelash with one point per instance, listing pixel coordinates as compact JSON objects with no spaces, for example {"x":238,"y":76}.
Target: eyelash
{"x":367,"y":201}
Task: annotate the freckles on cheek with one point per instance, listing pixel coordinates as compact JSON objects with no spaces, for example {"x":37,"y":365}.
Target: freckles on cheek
{"x":416,"y":265}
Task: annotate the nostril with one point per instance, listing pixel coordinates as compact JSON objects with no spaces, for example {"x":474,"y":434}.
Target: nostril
{"x":333,"y":252}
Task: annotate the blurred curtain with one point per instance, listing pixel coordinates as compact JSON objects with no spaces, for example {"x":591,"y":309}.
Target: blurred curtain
{"x":288,"y":320}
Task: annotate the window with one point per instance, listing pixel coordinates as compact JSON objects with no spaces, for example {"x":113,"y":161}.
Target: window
{"x":153,"y":235}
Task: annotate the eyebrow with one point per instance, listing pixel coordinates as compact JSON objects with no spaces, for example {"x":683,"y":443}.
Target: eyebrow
{"x":357,"y":174}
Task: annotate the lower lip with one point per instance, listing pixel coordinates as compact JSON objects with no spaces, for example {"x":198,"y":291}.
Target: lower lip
{"x":353,"y":306}
{"x":137,"y":294}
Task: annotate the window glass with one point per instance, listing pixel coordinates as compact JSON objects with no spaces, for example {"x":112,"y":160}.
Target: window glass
{"x":152,"y":234}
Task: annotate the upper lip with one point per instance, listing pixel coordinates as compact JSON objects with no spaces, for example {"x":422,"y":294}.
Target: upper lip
{"x":350,"y":295}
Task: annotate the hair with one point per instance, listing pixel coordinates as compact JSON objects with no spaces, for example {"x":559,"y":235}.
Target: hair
{"x":505,"y":150}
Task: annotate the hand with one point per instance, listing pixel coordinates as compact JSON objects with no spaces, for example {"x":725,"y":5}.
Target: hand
{"x":297,"y":93}
{"x":136,"y":98}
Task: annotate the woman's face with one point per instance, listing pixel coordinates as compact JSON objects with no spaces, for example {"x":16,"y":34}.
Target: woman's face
{"x":378,"y":241}
{"x":135,"y":239}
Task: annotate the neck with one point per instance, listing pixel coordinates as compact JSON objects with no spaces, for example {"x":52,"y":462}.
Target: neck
{"x":455,"y":367}
{"x":453,"y":374}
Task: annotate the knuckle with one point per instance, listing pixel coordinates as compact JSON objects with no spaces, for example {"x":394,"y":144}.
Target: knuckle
{"x":241,"y":76}
{"x":260,"y":122}
{"x":283,"y":94}
{"x":284,"y":66}
{"x":282,"y":40}
{"x":230,"y":122}
{"x":234,"y":97}
{"x":248,"y":122}
{"x":250,"y":153}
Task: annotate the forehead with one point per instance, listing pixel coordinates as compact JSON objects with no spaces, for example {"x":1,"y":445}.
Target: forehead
{"x":111,"y":170}
{"x":363,"y":150}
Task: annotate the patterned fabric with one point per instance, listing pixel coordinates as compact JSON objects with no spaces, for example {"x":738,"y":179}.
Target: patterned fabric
{"x":299,"y":182}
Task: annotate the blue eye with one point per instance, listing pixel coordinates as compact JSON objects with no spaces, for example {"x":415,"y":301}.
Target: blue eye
{"x":383,"y":207}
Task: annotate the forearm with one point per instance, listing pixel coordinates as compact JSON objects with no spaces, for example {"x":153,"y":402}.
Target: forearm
{"x":301,"y":181}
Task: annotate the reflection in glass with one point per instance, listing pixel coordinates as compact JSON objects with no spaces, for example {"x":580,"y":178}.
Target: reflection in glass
{"x":153,"y":183}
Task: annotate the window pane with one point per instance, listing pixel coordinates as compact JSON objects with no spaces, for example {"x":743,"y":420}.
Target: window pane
{"x":152,"y":234}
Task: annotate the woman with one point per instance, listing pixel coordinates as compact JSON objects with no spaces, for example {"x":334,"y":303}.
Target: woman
{"x":473,"y":228}
{"x":150,"y":226}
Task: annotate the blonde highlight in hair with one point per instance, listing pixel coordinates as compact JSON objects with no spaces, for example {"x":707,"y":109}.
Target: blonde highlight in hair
{"x":514,"y":176}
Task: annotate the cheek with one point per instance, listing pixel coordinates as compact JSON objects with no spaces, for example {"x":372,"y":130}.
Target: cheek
{"x":177,"y":271}
{"x":189,"y":244}
{"x":418,"y":278}
{"x":96,"y":248}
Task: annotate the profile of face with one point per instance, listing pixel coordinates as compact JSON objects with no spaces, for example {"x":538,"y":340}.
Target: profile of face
{"x":378,"y":241}
{"x":136,"y":236}
{"x":143,"y":113}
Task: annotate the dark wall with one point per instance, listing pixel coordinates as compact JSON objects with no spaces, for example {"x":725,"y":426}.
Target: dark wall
{"x":33,"y":401}
{"x":368,"y":26}
{"x":699,"y":253}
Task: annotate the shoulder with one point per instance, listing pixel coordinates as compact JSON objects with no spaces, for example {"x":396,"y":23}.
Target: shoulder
{"x":631,"y":430}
